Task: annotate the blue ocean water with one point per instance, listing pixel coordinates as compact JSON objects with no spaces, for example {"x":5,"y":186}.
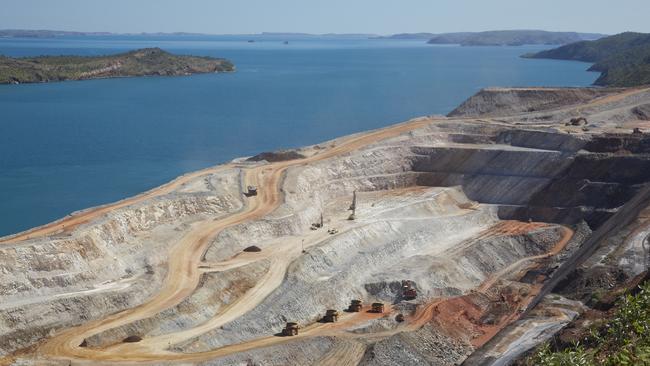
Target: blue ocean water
{"x":72,"y":145}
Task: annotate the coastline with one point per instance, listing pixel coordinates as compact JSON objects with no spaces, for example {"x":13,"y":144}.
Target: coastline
{"x":164,"y":188}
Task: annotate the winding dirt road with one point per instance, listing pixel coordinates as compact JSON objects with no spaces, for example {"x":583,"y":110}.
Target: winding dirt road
{"x":186,"y":268}
{"x":185,"y":264}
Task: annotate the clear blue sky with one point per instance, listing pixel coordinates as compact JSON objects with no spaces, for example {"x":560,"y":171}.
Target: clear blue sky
{"x":314,"y":16}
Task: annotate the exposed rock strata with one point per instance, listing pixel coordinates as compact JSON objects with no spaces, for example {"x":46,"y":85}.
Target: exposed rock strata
{"x":431,"y":205}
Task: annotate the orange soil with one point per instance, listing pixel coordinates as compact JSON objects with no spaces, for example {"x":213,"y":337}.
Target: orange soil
{"x":461,"y":317}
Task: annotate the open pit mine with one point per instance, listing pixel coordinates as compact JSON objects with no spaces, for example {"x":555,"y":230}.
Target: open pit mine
{"x":469,"y":238}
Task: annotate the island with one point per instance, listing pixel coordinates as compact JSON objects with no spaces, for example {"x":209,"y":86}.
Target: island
{"x":511,"y":38}
{"x":622,"y":60}
{"x":142,"y":62}
{"x":407,"y":36}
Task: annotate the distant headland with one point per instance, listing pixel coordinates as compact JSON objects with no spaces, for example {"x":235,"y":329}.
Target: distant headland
{"x":142,"y":62}
{"x":499,"y":37}
{"x":622,"y":60}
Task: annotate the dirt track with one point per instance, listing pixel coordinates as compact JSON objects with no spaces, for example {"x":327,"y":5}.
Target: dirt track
{"x":185,"y":260}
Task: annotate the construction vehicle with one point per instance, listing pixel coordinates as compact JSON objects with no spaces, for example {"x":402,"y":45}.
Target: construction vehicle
{"x":408,"y":292}
{"x":377,"y":307}
{"x":291,"y":329}
{"x":331,"y":316}
{"x":251,"y":191}
{"x":355,"y":306}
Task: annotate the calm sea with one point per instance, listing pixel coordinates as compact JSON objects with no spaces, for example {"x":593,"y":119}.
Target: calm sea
{"x":72,"y":145}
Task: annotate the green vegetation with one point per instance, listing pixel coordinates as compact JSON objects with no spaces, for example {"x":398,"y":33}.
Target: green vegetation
{"x":143,"y":62}
{"x":624,"y":339}
{"x":623,"y":59}
{"x":511,"y":38}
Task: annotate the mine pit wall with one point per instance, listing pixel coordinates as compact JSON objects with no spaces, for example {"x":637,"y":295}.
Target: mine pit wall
{"x":345,"y":267}
{"x":543,"y":176}
{"x":45,"y":281}
{"x":215,"y":292}
{"x":304,"y":297}
{"x":590,"y":246}
{"x":307,"y":190}
{"x":628,"y":213}
{"x":529,"y":168}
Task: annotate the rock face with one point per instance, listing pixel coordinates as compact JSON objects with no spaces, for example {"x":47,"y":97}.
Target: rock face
{"x":477,"y":213}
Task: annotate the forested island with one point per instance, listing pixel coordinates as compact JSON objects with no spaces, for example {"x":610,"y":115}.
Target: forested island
{"x":622,"y":60}
{"x":142,"y":62}
{"x":511,"y":38}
